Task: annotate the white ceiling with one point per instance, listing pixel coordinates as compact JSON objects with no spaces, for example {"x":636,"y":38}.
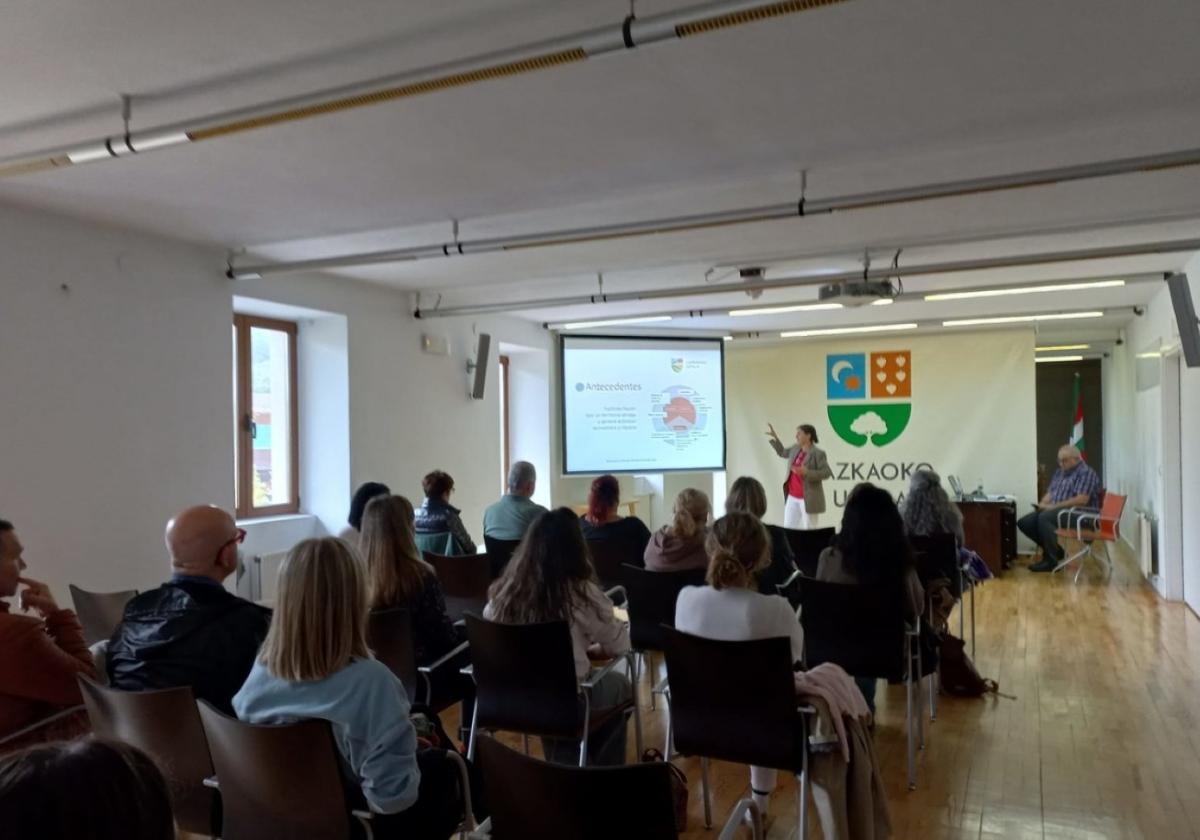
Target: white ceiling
{"x":865,"y":95}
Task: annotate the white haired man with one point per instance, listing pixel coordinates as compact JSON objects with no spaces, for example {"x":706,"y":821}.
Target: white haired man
{"x":1074,"y":484}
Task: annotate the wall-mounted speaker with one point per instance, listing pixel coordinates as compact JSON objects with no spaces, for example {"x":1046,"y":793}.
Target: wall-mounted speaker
{"x":479,"y":367}
{"x":1185,"y":317}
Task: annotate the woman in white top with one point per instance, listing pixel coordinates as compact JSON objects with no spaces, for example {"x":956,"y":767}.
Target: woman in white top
{"x":550,"y":578}
{"x":732,"y":609}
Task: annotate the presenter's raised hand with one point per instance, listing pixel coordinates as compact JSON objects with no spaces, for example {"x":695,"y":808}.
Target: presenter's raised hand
{"x":771,"y":433}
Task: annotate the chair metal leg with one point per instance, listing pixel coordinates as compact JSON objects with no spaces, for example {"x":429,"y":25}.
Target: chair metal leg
{"x":933,"y":691}
{"x":637,"y":707}
{"x":648,"y":664}
{"x":474,"y":724}
{"x":972,"y":621}
{"x":669,"y":746}
{"x":908,"y":689}
{"x":706,"y":793}
{"x":920,"y":682}
{"x":804,"y":782}
{"x":583,"y":741}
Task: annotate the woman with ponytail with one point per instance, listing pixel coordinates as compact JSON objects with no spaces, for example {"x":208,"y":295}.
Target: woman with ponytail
{"x":680,"y":545}
{"x":730,"y":608}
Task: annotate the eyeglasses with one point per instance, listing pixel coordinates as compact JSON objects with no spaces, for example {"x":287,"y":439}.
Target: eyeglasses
{"x":241,"y":536}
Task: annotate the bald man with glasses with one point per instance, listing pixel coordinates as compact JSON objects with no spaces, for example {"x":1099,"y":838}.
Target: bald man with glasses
{"x":1074,"y":484}
{"x":191,"y":630}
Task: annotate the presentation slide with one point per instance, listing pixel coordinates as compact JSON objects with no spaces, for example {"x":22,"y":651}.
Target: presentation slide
{"x":642,"y":405}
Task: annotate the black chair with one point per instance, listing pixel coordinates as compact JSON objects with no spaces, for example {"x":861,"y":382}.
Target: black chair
{"x":807,"y":547}
{"x":164,"y":724}
{"x":650,"y":599}
{"x":608,"y":559}
{"x":99,"y":612}
{"x":465,"y":579}
{"x":936,"y":556}
{"x":278,"y":781}
{"x":390,"y":636}
{"x":286,"y":781}
{"x":863,"y":629}
{"x":736,"y":701}
{"x":499,"y":552}
{"x":525,"y":682}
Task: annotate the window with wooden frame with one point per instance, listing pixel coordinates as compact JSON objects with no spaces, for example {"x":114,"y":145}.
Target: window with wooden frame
{"x":266,"y":439}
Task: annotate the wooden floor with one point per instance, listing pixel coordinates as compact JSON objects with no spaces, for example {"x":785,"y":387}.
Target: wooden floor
{"x":1102,"y":739}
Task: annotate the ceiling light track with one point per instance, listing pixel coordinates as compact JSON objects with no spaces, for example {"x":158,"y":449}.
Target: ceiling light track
{"x":982,"y":264}
{"x":630,"y":33}
{"x":747,"y":215}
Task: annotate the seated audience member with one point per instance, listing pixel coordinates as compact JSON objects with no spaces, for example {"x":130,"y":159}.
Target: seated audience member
{"x":358,"y":504}
{"x":550,"y":578}
{"x":928,"y":510}
{"x":1074,"y":484}
{"x":315,"y":664}
{"x":509,"y":518}
{"x":39,"y":657}
{"x":872,"y":548}
{"x":437,"y":518}
{"x":191,"y":631}
{"x":627,"y":535}
{"x":398,"y":577}
{"x":680,"y":545}
{"x":730,"y":608}
{"x":90,"y":788}
{"x":748,"y":496}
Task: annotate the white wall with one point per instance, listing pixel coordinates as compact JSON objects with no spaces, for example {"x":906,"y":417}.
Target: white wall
{"x":115,"y":370}
{"x":529,"y":414}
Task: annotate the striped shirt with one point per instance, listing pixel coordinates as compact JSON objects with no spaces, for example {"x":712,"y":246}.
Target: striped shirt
{"x":1077,"y":481}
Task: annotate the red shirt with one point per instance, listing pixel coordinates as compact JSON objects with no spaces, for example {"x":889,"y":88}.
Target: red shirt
{"x":795,"y":482}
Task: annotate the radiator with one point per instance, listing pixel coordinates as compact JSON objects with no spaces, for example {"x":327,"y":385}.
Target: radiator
{"x":1147,"y":531}
{"x":257,"y":580}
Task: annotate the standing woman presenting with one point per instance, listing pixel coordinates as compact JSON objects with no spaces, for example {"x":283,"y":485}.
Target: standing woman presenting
{"x":807,"y":468}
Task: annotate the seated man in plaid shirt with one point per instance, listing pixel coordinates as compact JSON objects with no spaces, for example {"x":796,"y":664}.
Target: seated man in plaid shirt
{"x":1075,"y":484}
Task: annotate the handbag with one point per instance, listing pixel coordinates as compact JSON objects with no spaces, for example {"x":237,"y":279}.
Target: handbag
{"x":679,"y":787}
{"x":958,"y":675}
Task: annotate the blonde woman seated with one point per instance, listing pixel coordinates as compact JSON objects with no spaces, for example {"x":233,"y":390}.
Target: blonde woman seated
{"x":680,"y":545}
{"x":397,"y":576}
{"x":550,"y":578}
{"x":315,"y":664}
{"x":732,"y":609}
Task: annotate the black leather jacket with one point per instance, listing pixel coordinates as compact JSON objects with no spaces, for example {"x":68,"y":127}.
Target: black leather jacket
{"x":187,"y":633}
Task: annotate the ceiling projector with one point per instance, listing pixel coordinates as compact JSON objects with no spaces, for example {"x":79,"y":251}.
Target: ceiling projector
{"x":857,"y":293}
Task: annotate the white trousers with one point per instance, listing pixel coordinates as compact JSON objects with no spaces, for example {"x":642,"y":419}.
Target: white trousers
{"x":797,"y":517}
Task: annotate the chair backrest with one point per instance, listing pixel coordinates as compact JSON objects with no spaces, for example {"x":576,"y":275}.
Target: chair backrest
{"x":652,"y":597}
{"x":936,"y":556}
{"x":439,"y":543}
{"x":390,"y":636}
{"x":1110,"y":516}
{"x":860,"y":628}
{"x":535,"y":800}
{"x":277,"y":781}
{"x":99,"y":612}
{"x":524,"y":677}
{"x":734,"y":701}
{"x":465,"y":579}
{"x":608,"y":559}
{"x":165,"y":725}
{"x":807,"y":547}
{"x":499,"y":552}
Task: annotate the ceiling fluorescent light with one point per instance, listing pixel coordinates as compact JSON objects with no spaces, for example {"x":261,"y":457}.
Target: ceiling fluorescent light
{"x":883,"y":302}
{"x":89,"y":154}
{"x":777,"y":310}
{"x":1041,"y":359}
{"x":847,"y":330}
{"x":613,"y":322}
{"x":1022,"y":319}
{"x":1026,"y":290}
{"x":1152,"y":355}
{"x":158,"y":141}
{"x":1062,"y":347}
{"x":727,"y":338}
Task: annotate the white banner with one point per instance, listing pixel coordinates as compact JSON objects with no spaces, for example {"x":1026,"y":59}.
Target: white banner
{"x":963,"y":404}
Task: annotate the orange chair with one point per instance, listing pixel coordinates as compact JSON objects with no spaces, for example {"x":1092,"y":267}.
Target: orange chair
{"x":1093,"y":526}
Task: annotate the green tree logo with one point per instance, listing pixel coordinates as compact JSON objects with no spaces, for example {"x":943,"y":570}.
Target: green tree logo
{"x":888,"y":378}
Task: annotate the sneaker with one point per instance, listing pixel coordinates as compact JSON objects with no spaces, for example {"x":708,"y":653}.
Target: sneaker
{"x":1045,"y":565}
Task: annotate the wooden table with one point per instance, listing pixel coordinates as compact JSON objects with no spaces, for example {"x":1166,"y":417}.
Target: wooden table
{"x":990,"y":528}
